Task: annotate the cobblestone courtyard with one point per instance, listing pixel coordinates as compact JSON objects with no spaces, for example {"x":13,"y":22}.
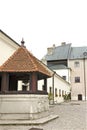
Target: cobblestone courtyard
{"x":72,"y":116}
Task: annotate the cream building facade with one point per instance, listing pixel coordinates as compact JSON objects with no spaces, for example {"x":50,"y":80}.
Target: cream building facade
{"x":78,"y":78}
{"x":74,"y":59}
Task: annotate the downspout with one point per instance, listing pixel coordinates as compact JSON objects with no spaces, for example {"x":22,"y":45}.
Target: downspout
{"x":85,"y":54}
{"x":84,"y":80}
{"x":53,"y":86}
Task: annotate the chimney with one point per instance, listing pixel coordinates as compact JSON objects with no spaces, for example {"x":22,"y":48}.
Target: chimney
{"x":54,"y":46}
{"x":49,"y":50}
{"x":63,"y":43}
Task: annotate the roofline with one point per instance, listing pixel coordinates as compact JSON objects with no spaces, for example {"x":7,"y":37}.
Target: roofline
{"x":61,"y":78}
{"x":9,"y":37}
{"x":54,"y":73}
{"x":57,"y":60}
{"x":51,"y":71}
{"x":64,"y":68}
{"x":82,"y":58}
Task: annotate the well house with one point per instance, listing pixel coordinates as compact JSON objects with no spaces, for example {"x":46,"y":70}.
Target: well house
{"x":19,"y":94}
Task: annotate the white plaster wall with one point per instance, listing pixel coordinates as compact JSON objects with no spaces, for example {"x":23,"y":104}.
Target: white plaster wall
{"x":64,"y":72}
{"x":20,"y":85}
{"x":59,"y":83}
{"x":40,"y":84}
{"x":7,"y":48}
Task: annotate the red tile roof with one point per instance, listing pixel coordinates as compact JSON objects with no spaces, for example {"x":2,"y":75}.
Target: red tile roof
{"x":23,"y":61}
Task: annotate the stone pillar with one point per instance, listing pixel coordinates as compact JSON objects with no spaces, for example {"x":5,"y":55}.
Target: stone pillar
{"x":5,"y":82}
{"x":33,"y":82}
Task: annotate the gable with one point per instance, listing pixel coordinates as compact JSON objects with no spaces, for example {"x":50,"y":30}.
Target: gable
{"x":7,"y":47}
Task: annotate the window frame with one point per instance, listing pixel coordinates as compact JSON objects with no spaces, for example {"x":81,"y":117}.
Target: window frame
{"x":76,"y":64}
{"x":64,"y":77}
{"x":50,"y":90}
{"x":77,"y":79}
{"x":56,"y":92}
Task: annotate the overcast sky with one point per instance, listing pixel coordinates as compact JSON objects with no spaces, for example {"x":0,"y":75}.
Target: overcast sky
{"x":43,"y":23}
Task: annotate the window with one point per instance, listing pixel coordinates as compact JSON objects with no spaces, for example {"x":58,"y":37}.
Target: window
{"x":64,"y":77}
{"x":59,"y":92}
{"x":65,"y":92}
{"x":56,"y":92}
{"x":77,"y":79}
{"x":76,"y":64}
{"x":62,"y":93}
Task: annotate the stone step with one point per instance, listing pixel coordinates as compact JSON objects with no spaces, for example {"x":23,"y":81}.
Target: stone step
{"x":29,"y":122}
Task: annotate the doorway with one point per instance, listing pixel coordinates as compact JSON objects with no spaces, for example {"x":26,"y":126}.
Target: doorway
{"x":79,"y":96}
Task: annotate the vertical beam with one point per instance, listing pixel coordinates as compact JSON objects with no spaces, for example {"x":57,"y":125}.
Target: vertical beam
{"x":45,"y":84}
{"x":53,"y":86}
{"x":85,"y":56}
{"x":33,"y":82}
{"x":5,"y":82}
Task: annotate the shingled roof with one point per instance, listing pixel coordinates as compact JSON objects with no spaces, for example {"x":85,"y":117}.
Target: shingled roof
{"x":23,"y":61}
{"x":59,"y":53}
{"x":77,"y":52}
{"x":65,"y":52}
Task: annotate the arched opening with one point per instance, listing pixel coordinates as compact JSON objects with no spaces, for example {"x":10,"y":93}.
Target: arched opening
{"x":79,"y":96}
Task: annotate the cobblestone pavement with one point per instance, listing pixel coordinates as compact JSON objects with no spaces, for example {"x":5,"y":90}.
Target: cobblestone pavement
{"x":72,"y":116}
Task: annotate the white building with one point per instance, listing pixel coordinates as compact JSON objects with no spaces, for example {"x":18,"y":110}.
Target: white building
{"x":7,"y":47}
{"x":57,"y":87}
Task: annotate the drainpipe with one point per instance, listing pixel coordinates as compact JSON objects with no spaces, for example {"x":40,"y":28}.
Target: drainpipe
{"x":85,"y":54}
{"x":53,"y":86}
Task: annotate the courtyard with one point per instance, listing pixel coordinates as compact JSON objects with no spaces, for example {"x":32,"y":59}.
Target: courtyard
{"x":72,"y":116}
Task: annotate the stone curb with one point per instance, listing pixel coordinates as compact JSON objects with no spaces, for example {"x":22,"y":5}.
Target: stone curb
{"x":29,"y":122}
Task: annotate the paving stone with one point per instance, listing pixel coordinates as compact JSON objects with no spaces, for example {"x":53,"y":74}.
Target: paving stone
{"x":71,"y":117}
{"x":35,"y":129}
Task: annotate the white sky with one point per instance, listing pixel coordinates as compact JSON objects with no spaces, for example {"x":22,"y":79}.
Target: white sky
{"x":43,"y":23}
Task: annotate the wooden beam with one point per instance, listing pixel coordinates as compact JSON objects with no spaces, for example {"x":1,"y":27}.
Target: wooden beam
{"x":5,"y":82}
{"x":33,"y":82}
{"x":45,"y":84}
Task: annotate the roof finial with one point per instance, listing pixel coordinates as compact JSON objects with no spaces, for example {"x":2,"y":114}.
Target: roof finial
{"x":22,"y":42}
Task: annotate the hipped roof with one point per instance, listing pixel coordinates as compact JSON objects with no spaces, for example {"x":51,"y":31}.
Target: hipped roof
{"x":23,"y":61}
{"x":59,"y":53}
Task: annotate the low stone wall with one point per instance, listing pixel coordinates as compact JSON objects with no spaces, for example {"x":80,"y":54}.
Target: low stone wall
{"x":20,"y":106}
